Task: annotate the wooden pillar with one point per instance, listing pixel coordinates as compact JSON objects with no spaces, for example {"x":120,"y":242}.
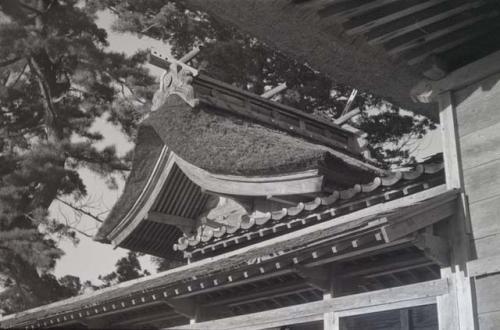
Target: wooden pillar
{"x":404,"y":319}
{"x":331,"y":320}
{"x":455,"y":310}
{"x":328,"y":318}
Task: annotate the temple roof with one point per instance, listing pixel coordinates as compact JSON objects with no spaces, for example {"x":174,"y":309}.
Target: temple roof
{"x":184,"y":153}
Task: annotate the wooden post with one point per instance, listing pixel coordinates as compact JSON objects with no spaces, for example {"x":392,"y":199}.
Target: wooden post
{"x":456,"y":310}
{"x":404,"y":319}
{"x":449,"y":138}
{"x":328,"y":318}
{"x":331,"y":319}
{"x":189,"y":56}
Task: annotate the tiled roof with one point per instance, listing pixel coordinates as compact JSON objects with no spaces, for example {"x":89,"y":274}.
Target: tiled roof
{"x":250,"y":228}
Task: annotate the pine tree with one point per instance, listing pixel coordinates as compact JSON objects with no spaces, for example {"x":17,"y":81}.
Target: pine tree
{"x":163,"y":264}
{"x":242,"y":60}
{"x":127,"y":268}
{"x":56,"y":78}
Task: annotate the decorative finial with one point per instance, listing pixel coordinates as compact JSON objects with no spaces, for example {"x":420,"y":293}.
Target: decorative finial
{"x":176,"y":79}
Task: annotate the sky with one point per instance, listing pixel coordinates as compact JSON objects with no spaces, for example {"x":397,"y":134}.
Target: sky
{"x":90,"y":259}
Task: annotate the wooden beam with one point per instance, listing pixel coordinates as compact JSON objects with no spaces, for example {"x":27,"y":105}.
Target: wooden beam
{"x":349,"y":102}
{"x":347,"y":9}
{"x":390,"y":13}
{"x":433,"y":31}
{"x":261,"y":292}
{"x":318,"y":277}
{"x":435,"y":248}
{"x":240,"y":282}
{"x":189,"y":56}
{"x":448,"y":41}
{"x":359,"y":253}
{"x":419,"y":21}
{"x":379,"y":267}
{"x":425,"y":217}
{"x":346,"y":117}
{"x":288,"y":315}
{"x":267,"y":298}
{"x":290,"y":184}
{"x":132,"y":322}
{"x":465,"y":76}
{"x":183,"y":306}
{"x":393,"y":306}
{"x":164,"y":61}
{"x":276,"y":90}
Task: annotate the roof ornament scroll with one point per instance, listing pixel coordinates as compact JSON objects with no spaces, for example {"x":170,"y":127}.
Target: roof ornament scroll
{"x":176,"y":80}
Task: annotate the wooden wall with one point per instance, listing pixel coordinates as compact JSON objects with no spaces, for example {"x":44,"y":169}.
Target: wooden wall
{"x":478,"y":116}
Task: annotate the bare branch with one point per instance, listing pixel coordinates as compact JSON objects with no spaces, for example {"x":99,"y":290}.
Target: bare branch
{"x":81,"y":232}
{"x":80,"y":210}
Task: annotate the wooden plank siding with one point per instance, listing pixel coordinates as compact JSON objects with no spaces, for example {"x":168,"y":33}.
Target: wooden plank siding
{"x":478,"y":115}
{"x":488,"y":306}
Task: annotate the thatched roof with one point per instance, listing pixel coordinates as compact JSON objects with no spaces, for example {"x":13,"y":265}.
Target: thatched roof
{"x":219,"y":143}
{"x":224,"y":144}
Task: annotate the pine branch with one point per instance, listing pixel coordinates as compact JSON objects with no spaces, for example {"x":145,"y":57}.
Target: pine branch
{"x":9,"y":62}
{"x":124,"y":85}
{"x":80,"y":210}
{"x":115,"y":165}
{"x":33,"y":9}
{"x":51,"y":113}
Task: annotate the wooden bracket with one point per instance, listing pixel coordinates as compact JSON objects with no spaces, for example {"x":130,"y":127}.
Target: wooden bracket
{"x":434,"y":247}
{"x":318,"y":277}
{"x":184,"y":306}
{"x":407,"y":224}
